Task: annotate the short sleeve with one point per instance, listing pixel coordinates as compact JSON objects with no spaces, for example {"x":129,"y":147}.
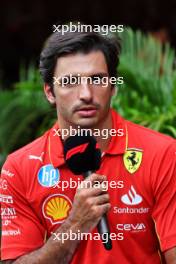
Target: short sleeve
{"x":22,"y":231}
{"x":164,"y":188}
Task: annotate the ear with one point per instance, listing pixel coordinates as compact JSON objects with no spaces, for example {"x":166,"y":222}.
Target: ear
{"x":49,"y":94}
{"x":114,"y":90}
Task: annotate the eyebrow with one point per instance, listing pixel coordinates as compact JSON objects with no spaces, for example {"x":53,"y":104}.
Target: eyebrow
{"x":98,"y":74}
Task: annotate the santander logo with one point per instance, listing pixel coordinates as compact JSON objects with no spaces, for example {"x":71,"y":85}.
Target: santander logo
{"x":131,"y":198}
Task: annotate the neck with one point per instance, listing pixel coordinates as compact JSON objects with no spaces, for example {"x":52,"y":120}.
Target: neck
{"x":104,"y":139}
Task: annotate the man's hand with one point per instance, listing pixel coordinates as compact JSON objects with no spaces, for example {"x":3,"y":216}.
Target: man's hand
{"x":90,"y":203}
{"x":88,"y":207}
{"x":170,"y":256}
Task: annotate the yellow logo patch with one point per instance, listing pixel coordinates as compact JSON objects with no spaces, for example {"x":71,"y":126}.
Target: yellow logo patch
{"x":56,"y":208}
{"x":132,"y":160}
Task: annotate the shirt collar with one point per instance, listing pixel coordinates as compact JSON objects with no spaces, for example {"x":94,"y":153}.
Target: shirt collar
{"x":117,"y":146}
{"x":118,"y":143}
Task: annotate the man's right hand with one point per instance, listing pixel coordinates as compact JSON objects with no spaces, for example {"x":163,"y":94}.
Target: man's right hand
{"x":90,"y":203}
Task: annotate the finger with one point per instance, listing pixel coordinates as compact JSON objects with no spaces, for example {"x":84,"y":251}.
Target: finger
{"x":84,"y":193}
{"x":93,"y":179}
{"x":95,"y":185}
{"x":102,"y":209}
{"x":99,"y":200}
{"x":96,"y":177}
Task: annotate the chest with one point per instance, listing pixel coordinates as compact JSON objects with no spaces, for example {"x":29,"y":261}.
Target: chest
{"x":52,"y":192}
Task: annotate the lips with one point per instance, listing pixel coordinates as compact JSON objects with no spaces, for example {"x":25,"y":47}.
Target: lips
{"x":87,"y":111}
{"x":87,"y":108}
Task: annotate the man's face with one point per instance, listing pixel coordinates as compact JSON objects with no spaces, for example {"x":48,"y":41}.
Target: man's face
{"x":85,"y":104}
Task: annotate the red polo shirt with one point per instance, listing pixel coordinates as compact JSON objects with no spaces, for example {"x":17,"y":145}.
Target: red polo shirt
{"x":141,"y":171}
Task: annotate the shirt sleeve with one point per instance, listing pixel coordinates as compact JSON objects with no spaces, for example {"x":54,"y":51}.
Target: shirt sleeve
{"x":164,"y":188}
{"x":21,"y":230}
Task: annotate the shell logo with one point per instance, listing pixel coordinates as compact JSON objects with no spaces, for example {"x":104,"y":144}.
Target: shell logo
{"x":56,"y":208}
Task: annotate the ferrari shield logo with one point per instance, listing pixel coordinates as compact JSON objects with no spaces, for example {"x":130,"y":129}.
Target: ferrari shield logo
{"x":132,"y":160}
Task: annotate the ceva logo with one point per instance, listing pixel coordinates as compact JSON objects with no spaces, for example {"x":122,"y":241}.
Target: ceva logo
{"x":131,"y":198}
{"x":131,"y":227}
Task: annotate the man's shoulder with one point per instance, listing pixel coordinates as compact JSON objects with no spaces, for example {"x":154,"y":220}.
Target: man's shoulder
{"x":139,"y":132}
{"x":148,"y":137}
{"x":33,"y":148}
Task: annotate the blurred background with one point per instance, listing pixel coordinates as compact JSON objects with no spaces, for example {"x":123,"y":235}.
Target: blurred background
{"x":148,"y":96}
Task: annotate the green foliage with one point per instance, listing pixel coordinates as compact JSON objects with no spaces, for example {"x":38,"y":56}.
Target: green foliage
{"x":29,"y":79}
{"x":25,"y":113}
{"x":147,"y":97}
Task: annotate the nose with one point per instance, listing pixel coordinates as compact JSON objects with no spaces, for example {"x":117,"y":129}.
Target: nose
{"x":85,"y":92}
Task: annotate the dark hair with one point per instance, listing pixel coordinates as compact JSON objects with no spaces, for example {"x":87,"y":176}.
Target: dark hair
{"x":58,"y":45}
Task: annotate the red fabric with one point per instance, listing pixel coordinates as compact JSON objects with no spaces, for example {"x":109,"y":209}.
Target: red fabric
{"x":79,"y":149}
{"x":143,"y":207}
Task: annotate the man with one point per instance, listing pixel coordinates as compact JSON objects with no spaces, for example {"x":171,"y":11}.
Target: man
{"x":139,"y":165}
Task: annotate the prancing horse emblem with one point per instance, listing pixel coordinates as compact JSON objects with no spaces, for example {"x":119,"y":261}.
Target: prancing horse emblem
{"x":132,"y":160}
